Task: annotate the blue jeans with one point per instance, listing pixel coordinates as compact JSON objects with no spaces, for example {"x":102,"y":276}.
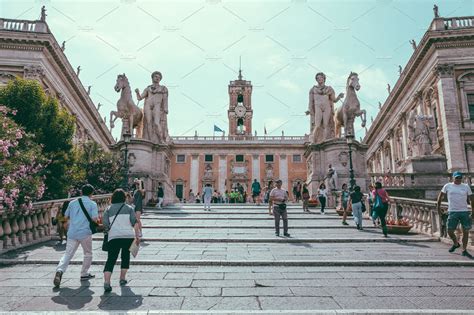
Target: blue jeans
{"x":357,"y":213}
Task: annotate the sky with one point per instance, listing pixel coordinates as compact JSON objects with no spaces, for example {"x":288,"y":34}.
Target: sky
{"x":197,"y":44}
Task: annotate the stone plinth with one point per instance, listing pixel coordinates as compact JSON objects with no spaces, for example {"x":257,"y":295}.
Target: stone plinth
{"x":150,"y":163}
{"x":426,"y":164}
{"x":429,"y":174}
{"x":336,"y":153}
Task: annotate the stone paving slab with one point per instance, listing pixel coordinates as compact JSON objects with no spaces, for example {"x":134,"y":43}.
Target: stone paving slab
{"x":271,"y":252}
{"x":291,"y":292}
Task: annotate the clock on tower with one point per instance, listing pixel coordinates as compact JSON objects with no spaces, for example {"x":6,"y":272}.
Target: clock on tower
{"x":240,"y":107}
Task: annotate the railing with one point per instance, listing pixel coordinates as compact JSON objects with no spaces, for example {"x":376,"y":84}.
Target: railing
{"x":241,"y":139}
{"x":19,"y":229}
{"x":422,"y":214}
{"x":459,"y":22}
{"x":420,"y":180}
{"x":23,"y":26}
{"x":391,"y":179}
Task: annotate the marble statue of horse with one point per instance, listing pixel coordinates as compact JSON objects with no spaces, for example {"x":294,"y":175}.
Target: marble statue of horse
{"x":350,"y":108}
{"x":131,"y":114}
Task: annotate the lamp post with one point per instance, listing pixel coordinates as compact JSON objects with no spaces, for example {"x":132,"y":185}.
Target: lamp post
{"x":126,"y":139}
{"x":352,"y":182}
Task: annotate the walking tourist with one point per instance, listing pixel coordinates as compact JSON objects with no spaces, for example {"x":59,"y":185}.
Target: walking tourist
{"x":294,"y":191}
{"x":121,"y":223}
{"x":305,"y":196}
{"x":371,"y":202}
{"x":381,"y":203}
{"x":191,"y":197}
{"x":160,"y":195}
{"x":459,"y":194}
{"x":278,"y":199}
{"x":198,"y":197}
{"x":267,"y":196}
{"x":356,"y":198}
{"x":138,"y":202}
{"x":322,"y":196}
{"x":79,"y":233}
{"x":256,"y":189}
{"x":61,"y":222}
{"x":345,"y":203}
{"x":298,"y":192}
{"x":207,"y":195}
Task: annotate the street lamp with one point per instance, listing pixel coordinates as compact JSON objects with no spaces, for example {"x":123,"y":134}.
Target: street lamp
{"x":350,"y":141}
{"x":126,"y":139}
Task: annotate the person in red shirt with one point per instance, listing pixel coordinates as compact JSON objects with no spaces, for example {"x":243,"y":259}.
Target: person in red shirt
{"x":381,"y":203}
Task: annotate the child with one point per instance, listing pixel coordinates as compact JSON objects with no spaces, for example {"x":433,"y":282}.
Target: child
{"x":62,"y":222}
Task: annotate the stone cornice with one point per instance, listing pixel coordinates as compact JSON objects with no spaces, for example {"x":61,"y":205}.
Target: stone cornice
{"x":46,"y":42}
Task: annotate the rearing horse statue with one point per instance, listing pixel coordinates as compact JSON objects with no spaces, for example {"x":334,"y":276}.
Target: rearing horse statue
{"x":131,"y":114}
{"x":350,"y":109}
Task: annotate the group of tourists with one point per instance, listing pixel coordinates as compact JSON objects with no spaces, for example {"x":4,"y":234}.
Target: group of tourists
{"x":79,"y":219}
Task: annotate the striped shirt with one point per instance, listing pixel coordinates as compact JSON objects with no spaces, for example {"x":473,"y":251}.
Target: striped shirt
{"x":123,"y":225}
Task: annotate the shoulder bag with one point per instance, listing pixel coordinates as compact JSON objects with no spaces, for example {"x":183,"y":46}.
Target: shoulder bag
{"x":94,"y":226}
{"x":105,"y":242}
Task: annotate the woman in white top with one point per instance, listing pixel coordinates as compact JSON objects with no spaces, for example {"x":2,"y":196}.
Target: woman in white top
{"x":322,"y":196}
{"x":121,"y":223}
{"x":207,"y":196}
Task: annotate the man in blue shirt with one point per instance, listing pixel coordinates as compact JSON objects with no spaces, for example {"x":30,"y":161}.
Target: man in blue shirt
{"x":79,"y":233}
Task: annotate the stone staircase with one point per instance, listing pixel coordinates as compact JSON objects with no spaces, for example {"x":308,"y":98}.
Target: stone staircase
{"x":229,"y":261}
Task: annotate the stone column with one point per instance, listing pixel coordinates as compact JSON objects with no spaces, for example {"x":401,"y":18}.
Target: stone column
{"x":464,"y":104}
{"x":392,"y":143}
{"x":194,"y":174}
{"x":450,"y":118}
{"x":284,"y":171}
{"x":255,"y":167}
{"x":404,"y":135}
{"x":382,"y":158}
{"x":222,"y":173}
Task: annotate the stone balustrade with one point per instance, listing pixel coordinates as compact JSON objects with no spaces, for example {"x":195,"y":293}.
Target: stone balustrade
{"x":23,"y":25}
{"x":392,"y":179}
{"x":20,"y":228}
{"x":459,"y":22}
{"x":240,"y":139}
{"x":422,"y":214}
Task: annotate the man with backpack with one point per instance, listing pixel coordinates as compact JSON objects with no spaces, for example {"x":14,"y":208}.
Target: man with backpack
{"x":80,"y":211}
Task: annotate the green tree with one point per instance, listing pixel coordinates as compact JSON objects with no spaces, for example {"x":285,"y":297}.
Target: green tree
{"x":52,"y":126}
{"x":97,"y":167}
{"x":21,"y":165}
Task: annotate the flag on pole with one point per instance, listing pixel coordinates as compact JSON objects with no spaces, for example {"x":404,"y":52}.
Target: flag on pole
{"x":217,"y":129}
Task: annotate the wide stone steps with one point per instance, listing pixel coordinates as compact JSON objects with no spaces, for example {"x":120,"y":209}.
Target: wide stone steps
{"x":228,"y":261}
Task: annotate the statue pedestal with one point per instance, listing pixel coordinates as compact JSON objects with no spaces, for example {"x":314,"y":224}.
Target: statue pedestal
{"x":429,"y":173}
{"x":336,"y":153}
{"x":426,"y":164}
{"x":150,"y":163}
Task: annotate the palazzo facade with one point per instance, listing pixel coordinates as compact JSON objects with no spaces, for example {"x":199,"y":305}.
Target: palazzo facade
{"x":29,"y":50}
{"x":425,"y":129}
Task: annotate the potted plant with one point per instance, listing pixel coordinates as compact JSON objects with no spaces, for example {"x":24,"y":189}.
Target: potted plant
{"x":313,"y":203}
{"x":398,"y":226}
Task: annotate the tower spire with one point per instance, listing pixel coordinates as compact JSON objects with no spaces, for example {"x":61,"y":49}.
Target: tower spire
{"x":240,"y":67}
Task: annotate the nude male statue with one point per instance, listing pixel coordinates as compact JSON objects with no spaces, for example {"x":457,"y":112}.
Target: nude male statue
{"x":155,"y":109}
{"x":321,"y":109}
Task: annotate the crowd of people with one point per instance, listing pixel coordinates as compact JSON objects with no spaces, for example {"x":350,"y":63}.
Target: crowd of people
{"x":79,"y":219}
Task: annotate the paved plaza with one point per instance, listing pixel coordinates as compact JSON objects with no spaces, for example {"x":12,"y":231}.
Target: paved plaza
{"x":229,"y":261}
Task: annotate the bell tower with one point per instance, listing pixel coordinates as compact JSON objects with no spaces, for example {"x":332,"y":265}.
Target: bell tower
{"x":240,"y":107}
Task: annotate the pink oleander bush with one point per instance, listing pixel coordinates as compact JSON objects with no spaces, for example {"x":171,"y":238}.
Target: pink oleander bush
{"x":22,"y":165}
